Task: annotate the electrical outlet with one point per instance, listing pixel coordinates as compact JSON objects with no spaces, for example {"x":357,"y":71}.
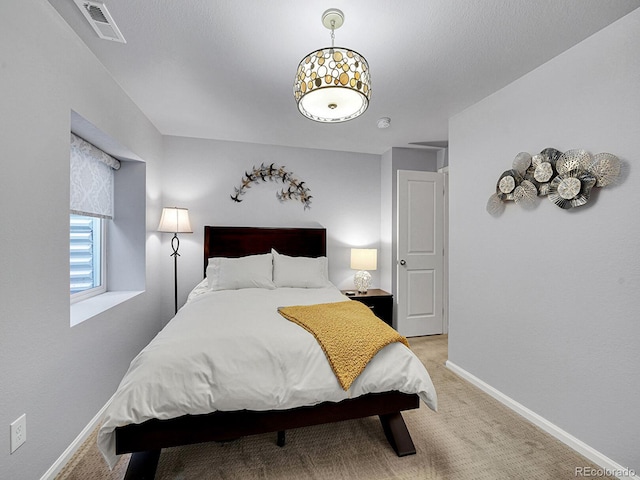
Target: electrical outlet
{"x":18,"y":432}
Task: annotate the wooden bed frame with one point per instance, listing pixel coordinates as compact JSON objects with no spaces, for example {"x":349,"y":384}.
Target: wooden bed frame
{"x":146,"y":440}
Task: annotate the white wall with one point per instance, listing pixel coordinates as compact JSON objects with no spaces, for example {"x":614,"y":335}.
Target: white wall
{"x":544,"y":304}
{"x":59,"y":376}
{"x":201,"y":174}
{"x":387,"y":227}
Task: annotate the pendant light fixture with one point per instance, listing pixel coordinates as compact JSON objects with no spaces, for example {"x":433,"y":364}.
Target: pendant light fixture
{"x":332,"y":84}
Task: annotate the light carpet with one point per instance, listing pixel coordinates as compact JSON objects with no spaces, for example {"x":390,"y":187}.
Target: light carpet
{"x":472,"y":437}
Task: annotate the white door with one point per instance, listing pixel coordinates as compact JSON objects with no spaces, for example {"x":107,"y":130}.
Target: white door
{"x":420,"y":288}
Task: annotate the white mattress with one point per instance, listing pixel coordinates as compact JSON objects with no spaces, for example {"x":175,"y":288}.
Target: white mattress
{"x":231,"y":350}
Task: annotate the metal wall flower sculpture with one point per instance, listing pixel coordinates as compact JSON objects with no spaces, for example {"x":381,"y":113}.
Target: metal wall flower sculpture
{"x":566,"y":178}
{"x":295,"y":188}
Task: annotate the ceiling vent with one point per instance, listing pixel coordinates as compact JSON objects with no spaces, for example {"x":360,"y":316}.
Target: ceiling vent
{"x":101,"y":20}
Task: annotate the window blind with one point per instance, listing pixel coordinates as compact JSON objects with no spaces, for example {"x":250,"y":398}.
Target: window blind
{"x":91,"y":178}
{"x":84,"y":253}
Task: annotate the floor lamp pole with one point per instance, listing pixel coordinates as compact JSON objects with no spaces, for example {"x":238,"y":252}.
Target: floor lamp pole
{"x":175,"y":245}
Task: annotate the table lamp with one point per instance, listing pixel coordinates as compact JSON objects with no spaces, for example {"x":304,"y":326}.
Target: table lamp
{"x":363,"y":259}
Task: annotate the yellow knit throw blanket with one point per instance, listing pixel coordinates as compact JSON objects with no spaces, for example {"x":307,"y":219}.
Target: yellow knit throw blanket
{"x":348,"y":332}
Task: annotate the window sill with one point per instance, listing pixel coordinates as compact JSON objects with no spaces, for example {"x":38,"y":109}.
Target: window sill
{"x":93,"y":306}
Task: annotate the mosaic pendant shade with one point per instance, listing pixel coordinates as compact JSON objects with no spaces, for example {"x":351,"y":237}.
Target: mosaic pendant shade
{"x":332,"y":85}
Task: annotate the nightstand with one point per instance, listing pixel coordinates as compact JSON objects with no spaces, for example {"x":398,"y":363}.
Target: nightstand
{"x":379,"y":301}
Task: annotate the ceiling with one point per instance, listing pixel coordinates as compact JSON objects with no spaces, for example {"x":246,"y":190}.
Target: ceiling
{"x":225,"y":69}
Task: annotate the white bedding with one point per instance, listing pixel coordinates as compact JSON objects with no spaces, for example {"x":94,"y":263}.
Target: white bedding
{"x":231,"y":350}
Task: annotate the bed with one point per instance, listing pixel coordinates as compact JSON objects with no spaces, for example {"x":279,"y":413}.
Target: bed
{"x":135,"y":424}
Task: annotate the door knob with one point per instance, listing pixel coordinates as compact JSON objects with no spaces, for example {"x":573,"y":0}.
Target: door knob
{"x":403,"y":263}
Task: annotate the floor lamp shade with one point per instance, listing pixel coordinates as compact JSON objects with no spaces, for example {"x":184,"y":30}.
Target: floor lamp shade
{"x":175,"y":220}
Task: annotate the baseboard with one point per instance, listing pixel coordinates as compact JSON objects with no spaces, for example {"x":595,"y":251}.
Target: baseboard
{"x":59,"y":464}
{"x":605,"y":463}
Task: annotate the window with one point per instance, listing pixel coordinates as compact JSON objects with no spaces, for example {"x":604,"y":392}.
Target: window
{"x":87,"y":260}
{"x":113,"y":200}
{"x":91,"y":206}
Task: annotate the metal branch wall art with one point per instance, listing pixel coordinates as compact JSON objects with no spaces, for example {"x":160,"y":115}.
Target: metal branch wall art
{"x":294,"y":189}
{"x":565,"y":178}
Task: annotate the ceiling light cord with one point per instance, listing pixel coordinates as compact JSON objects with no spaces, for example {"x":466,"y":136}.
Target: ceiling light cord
{"x":333,"y":36}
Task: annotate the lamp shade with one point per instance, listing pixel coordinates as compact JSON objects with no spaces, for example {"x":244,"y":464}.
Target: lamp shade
{"x":364,"y":258}
{"x":332,"y":85}
{"x":175,"y":220}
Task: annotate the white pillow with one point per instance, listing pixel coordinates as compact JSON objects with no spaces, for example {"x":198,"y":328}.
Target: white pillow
{"x":253,"y":271}
{"x":300,"y":272}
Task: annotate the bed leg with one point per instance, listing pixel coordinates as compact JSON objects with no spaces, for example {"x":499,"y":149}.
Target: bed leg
{"x":281,"y":439}
{"x":143,"y":465}
{"x":397,"y":434}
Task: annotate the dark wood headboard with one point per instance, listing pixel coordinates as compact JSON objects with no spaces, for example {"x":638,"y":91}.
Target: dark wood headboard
{"x":241,"y":241}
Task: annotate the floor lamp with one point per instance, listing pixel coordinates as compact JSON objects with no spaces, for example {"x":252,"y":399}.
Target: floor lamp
{"x":175,"y":220}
